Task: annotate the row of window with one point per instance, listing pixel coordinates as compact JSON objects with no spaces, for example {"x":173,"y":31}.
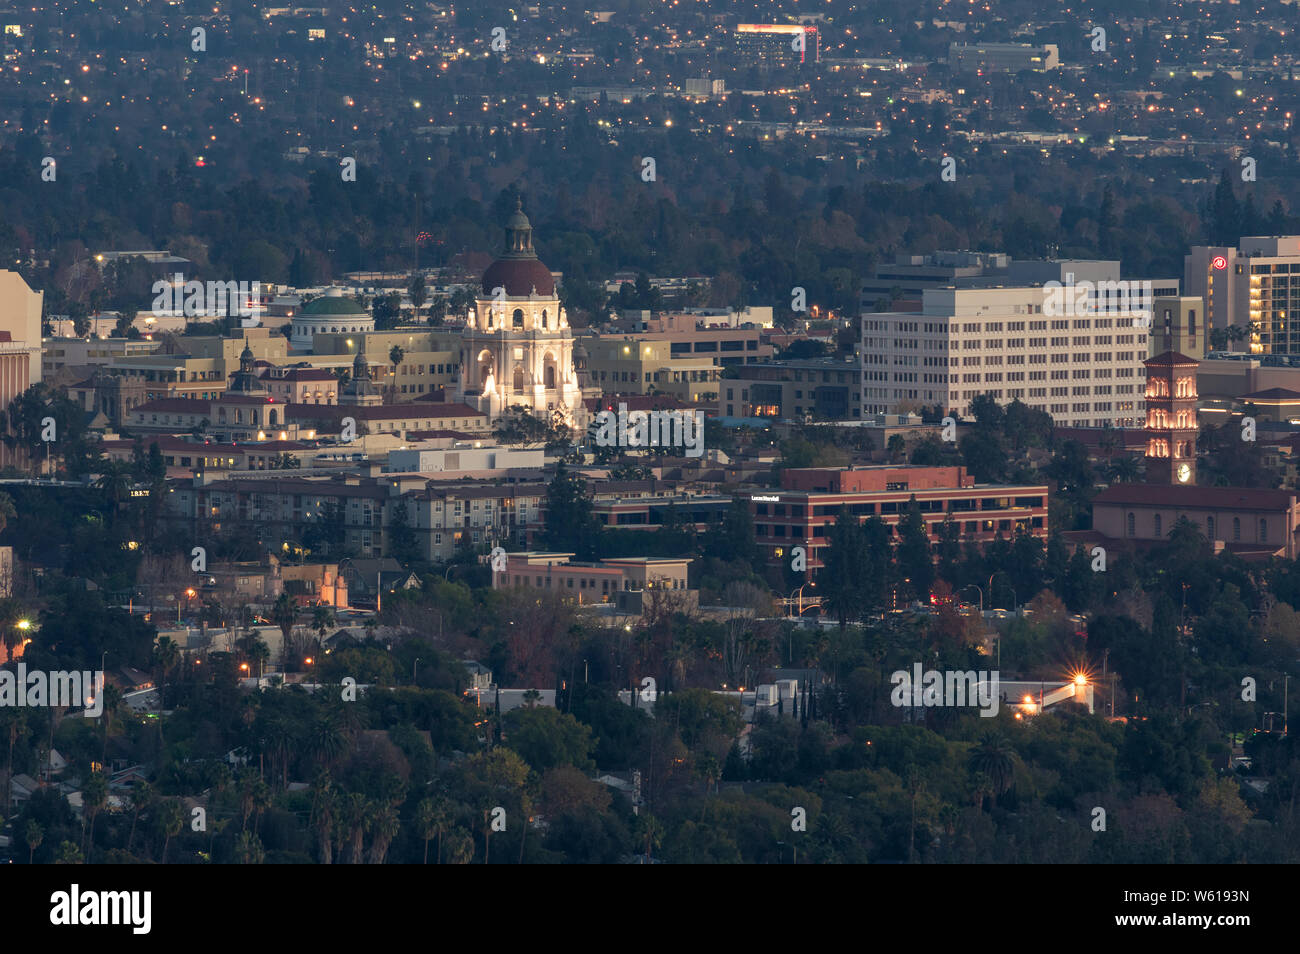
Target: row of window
{"x":1157,"y":527}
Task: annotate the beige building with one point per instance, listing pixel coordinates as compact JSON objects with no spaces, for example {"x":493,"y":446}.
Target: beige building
{"x":645,"y":365}
{"x":592,"y":582}
{"x":428,"y":365}
{"x":1178,"y":324}
{"x":1085,"y":370}
{"x":1251,"y":522}
{"x":20,"y":345}
{"x":20,"y":315}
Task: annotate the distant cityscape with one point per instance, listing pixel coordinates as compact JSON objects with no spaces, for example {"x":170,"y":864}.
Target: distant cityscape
{"x":485,"y":434}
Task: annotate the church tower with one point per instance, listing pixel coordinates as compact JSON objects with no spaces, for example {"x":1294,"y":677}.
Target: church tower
{"x":517,"y":349}
{"x":1171,"y":419}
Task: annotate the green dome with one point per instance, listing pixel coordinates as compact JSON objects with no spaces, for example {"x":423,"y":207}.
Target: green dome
{"x":330,"y":305}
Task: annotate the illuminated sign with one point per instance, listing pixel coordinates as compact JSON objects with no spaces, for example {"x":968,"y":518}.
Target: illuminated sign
{"x":766,"y":499}
{"x":1219,"y":262}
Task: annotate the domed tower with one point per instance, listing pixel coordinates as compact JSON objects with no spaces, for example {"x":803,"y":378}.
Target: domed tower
{"x":245,"y":381}
{"x":516,"y":348}
{"x":360,"y":391}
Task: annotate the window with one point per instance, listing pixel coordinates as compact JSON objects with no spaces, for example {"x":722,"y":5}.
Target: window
{"x":1157,"y":521}
{"x":1209,"y":528}
{"x":1132,"y":525}
{"x":1263,"y":530}
{"x":1236,"y":528}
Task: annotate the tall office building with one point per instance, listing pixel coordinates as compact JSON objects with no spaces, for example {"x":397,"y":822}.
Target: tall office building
{"x":1084,"y":368}
{"x":778,"y":44}
{"x":1255,"y":287}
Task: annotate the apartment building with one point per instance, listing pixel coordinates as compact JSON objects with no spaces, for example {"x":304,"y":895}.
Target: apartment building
{"x":1254,"y":286}
{"x":1084,"y":366}
{"x":806,"y":507}
{"x":449,"y":515}
{"x":275,"y":511}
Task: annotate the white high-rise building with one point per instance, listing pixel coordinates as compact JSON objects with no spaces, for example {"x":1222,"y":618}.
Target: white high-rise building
{"x":1074,"y":352}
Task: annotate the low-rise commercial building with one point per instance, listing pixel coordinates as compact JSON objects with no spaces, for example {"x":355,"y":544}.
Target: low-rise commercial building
{"x":804,"y":510}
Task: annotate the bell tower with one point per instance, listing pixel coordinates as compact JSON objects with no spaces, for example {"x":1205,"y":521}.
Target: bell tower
{"x":1171,"y":426}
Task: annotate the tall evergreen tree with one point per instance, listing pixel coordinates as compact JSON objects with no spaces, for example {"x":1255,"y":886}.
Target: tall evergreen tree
{"x":571,"y":525}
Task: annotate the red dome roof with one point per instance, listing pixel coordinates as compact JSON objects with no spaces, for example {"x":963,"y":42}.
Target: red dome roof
{"x":519,"y":276}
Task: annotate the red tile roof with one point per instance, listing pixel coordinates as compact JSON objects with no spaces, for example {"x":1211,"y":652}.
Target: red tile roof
{"x":1209,"y":498}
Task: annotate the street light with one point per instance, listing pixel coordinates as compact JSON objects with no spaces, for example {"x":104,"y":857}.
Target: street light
{"x":977,"y":589}
{"x":1015,"y":602}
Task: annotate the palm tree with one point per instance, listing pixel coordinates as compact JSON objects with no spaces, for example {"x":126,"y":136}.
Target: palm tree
{"x":284,"y":614}
{"x":1108,"y":443}
{"x":324,"y":800}
{"x":165,"y":655}
{"x":652,"y":830}
{"x":327,"y":740}
{"x":248,"y":849}
{"x":460,"y":846}
{"x":322,"y":618}
{"x":94,"y":794}
{"x":115,"y":481}
{"x":142,"y":797}
{"x":69,"y":854}
{"x":1124,"y":470}
{"x":15,"y":726}
{"x":170,"y":822}
{"x":431,"y":817}
{"x":994,"y":757}
{"x":34,"y":835}
{"x":253,"y":794}
{"x":384,"y":826}
{"x":395,"y":355}
{"x":357,"y":813}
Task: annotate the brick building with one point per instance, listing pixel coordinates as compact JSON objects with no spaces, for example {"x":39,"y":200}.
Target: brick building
{"x":803,"y":511}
